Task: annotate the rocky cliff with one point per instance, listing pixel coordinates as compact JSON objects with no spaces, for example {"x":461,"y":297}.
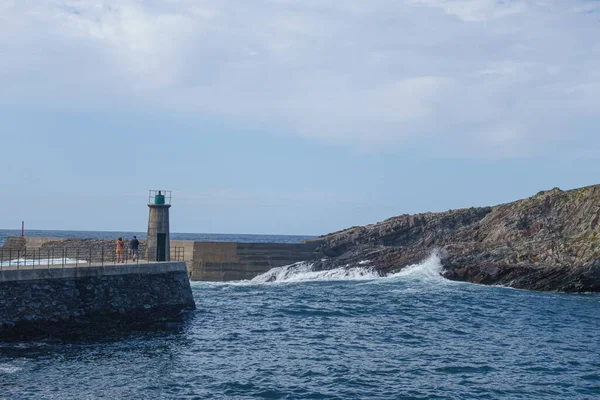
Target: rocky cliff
{"x":550,"y":241}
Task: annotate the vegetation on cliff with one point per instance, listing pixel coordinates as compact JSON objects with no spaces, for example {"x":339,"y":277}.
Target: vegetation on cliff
{"x":550,"y":241}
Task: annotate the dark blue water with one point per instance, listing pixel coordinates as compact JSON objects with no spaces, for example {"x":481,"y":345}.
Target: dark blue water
{"x":332,"y":336}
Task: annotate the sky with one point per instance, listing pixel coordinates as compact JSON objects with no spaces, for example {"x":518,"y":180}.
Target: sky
{"x":290,"y":116}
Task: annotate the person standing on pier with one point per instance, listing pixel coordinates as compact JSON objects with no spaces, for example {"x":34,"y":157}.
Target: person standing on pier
{"x":120,"y":246}
{"x":134,"y":244}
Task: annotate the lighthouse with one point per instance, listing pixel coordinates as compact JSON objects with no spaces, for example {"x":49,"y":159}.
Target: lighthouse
{"x":158,"y":241}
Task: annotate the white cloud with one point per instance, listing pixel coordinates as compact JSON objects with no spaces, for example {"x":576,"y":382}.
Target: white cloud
{"x":492,"y":77}
{"x":475,"y":10}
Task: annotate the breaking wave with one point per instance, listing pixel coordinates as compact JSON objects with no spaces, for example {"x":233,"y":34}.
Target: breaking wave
{"x":303,"y":272}
{"x":430,"y":269}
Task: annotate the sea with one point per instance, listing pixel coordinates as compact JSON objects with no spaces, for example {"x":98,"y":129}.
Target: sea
{"x":293,"y":333}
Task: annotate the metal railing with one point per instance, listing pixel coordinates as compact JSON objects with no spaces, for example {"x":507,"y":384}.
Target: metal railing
{"x":78,"y":257}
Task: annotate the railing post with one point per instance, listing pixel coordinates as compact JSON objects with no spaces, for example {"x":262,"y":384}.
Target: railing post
{"x":102,"y":256}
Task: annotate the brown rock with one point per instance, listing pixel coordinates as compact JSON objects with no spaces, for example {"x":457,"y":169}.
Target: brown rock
{"x":548,"y":241}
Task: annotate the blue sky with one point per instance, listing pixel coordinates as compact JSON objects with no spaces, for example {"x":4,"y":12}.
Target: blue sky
{"x":290,"y":116}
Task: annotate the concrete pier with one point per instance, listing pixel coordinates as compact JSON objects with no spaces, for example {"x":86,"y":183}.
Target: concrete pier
{"x":230,"y":261}
{"x":51,"y":301}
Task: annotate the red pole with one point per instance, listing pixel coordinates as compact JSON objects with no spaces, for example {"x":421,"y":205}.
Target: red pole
{"x":22,"y":228}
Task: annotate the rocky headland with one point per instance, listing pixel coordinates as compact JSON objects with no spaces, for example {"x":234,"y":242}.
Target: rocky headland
{"x":550,"y":241}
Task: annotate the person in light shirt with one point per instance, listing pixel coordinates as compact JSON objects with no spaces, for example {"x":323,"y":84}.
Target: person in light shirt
{"x":120,"y":246}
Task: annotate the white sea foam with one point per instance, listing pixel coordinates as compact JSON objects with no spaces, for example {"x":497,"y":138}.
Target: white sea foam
{"x":44,"y":262}
{"x":304,"y":272}
{"x":430,"y":269}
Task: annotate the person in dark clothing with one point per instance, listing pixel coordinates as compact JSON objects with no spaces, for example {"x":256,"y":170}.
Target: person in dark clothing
{"x":134,"y":244}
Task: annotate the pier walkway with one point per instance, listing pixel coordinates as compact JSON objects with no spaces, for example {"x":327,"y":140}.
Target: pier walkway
{"x":77,"y":257}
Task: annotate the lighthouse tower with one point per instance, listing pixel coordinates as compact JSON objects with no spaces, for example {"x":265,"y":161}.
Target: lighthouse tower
{"x":159,"y":241}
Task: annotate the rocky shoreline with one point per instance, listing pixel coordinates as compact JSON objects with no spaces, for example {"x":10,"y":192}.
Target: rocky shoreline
{"x":550,"y":242}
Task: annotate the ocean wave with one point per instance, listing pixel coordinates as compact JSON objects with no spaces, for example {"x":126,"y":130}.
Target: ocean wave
{"x":429,"y":269}
{"x":9,"y":369}
{"x":365,"y":271}
{"x":304,"y":272}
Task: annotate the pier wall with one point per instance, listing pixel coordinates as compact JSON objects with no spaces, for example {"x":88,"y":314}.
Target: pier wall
{"x":230,"y":261}
{"x":53,"y":301}
{"x":15,"y":243}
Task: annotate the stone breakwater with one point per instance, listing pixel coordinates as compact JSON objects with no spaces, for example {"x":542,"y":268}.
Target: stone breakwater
{"x":44,"y":302}
{"x":550,"y":241}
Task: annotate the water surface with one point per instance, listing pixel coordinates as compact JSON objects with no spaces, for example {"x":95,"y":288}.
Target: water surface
{"x":331,"y":335}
